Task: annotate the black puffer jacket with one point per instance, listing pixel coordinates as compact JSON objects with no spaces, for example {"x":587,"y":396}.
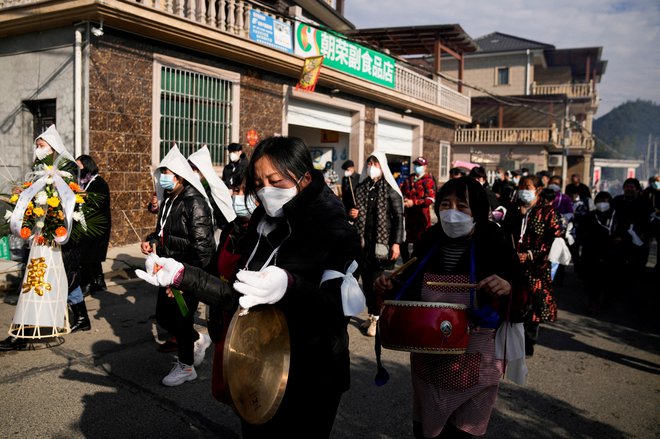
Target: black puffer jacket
{"x":188,"y":230}
{"x":320,"y":239}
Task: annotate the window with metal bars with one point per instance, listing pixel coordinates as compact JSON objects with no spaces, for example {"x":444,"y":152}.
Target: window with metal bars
{"x":444,"y":160}
{"x":195,"y":110}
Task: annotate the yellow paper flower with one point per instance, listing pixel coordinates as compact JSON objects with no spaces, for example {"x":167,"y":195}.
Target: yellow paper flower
{"x":38,"y":211}
{"x":14,"y":198}
{"x":79,"y":199}
{"x":53,"y":201}
{"x":30,"y":205}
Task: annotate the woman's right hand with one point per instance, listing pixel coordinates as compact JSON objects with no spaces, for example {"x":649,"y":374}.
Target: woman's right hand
{"x":146,"y":248}
{"x":353,"y":213}
{"x":383,"y":284}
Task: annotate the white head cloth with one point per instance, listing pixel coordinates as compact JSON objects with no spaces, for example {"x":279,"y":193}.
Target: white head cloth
{"x":177,"y":163}
{"x":55,"y":141}
{"x":219,"y":191}
{"x":387,"y":174}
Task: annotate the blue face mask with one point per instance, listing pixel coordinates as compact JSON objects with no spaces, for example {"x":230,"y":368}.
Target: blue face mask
{"x":656,"y":185}
{"x":243,"y":206}
{"x":166,"y":181}
{"x":527,"y":196}
{"x":419,"y":170}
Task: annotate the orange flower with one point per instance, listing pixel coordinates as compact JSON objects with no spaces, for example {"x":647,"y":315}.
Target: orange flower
{"x":60,"y":231}
{"x":74,"y":186}
{"x":25,"y":233}
{"x":27,"y":184}
{"x":40,"y":240}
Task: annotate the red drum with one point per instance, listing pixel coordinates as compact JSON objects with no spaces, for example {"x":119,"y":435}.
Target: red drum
{"x":424,"y":327}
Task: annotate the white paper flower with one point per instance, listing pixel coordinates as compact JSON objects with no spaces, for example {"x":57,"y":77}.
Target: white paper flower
{"x":40,"y":224}
{"x":41,"y":198}
{"x":77,"y":216}
{"x":49,"y":180}
{"x":8,"y":215}
{"x":55,"y":194}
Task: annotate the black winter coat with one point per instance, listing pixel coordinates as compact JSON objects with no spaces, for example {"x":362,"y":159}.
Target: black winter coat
{"x":188,"y":230}
{"x":320,"y":239}
{"x":95,"y":248}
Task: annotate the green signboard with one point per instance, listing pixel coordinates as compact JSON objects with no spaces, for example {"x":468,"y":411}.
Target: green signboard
{"x":344,"y":55}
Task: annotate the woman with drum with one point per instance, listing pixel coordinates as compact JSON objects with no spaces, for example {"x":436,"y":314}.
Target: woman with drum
{"x":463,"y":260}
{"x":298,"y":255}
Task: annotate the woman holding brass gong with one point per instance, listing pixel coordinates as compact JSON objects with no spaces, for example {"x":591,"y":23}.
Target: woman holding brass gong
{"x":298,"y":254}
{"x":464,"y":259}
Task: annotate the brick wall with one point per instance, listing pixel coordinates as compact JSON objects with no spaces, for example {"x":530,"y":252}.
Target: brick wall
{"x":120,"y":97}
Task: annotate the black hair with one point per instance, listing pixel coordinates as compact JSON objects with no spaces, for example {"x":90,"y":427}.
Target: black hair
{"x":289,"y":155}
{"x":634,"y":182}
{"x":457,"y":171}
{"x":548,"y":195}
{"x":88,"y":164}
{"x":470,"y":190}
{"x":603,"y":195}
{"x":232,"y":147}
{"x":533,"y":178}
{"x":478,"y":172}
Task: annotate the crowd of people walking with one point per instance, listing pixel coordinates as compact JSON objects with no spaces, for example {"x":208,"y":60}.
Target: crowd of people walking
{"x":274,"y":230}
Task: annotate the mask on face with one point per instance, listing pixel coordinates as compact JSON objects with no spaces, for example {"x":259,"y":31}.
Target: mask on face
{"x":656,"y":185}
{"x":43,"y":152}
{"x":166,"y":181}
{"x":375,"y":172}
{"x":603,"y":206}
{"x":243,"y":205}
{"x":455,"y":223}
{"x":273,"y":198}
{"x":554,"y":187}
{"x":515,"y":180}
{"x":348,"y":173}
{"x":527,"y":196}
{"x":234,"y":156}
{"x":419,"y":170}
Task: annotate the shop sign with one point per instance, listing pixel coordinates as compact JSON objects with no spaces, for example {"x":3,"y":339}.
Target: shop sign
{"x":270,"y":31}
{"x":344,"y":55}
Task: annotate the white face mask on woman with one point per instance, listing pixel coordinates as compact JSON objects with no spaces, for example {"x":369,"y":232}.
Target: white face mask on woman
{"x":455,"y":223}
{"x":273,"y":198}
{"x":527,"y":196}
{"x":43,"y":152}
{"x":603,"y":206}
{"x":375,"y":172}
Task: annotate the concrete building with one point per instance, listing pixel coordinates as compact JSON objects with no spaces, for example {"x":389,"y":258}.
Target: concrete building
{"x":123,"y":80}
{"x":533,"y":105}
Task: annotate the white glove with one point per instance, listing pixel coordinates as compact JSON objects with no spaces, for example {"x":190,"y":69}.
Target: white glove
{"x":259,"y":287}
{"x":159,"y":271}
{"x":635,"y":237}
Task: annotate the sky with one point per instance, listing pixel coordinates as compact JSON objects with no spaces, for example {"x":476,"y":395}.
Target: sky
{"x":628,"y":32}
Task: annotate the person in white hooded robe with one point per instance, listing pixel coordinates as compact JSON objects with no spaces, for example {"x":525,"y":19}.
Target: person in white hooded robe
{"x":184,"y":232}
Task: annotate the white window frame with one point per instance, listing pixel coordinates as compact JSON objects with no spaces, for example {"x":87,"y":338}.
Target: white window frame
{"x":200,"y":69}
{"x":444,"y":160}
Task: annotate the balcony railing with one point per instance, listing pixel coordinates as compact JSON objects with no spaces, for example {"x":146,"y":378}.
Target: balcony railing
{"x":585,"y":90}
{"x":516,"y":136}
{"x":494,"y":136}
{"x":232,"y":16}
{"x":417,"y":86}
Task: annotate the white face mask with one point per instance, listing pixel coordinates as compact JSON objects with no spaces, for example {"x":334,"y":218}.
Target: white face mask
{"x":348,"y":173}
{"x":234,"y":156}
{"x":527,"y":196}
{"x":43,"y":152}
{"x":273,"y":198}
{"x":375,"y":172}
{"x":603,"y":206}
{"x":455,"y":223}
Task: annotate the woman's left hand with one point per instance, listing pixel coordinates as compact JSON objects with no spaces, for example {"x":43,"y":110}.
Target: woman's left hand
{"x":495,"y":285}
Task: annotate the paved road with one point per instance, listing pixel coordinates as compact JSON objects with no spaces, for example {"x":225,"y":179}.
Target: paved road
{"x":591,"y":377}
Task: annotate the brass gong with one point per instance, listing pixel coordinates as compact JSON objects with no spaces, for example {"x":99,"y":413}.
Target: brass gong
{"x":256,"y":362}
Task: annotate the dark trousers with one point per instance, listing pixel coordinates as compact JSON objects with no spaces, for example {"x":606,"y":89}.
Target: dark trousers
{"x":169,"y":316}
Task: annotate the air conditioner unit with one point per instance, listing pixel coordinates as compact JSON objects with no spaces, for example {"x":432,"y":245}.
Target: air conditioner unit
{"x":555,"y":160}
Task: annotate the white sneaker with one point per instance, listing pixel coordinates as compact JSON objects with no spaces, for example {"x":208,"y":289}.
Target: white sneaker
{"x":202,"y":343}
{"x":179,"y":374}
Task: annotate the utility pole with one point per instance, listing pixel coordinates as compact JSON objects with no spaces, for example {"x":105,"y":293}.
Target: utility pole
{"x":655,"y":157}
{"x":648,"y":156}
